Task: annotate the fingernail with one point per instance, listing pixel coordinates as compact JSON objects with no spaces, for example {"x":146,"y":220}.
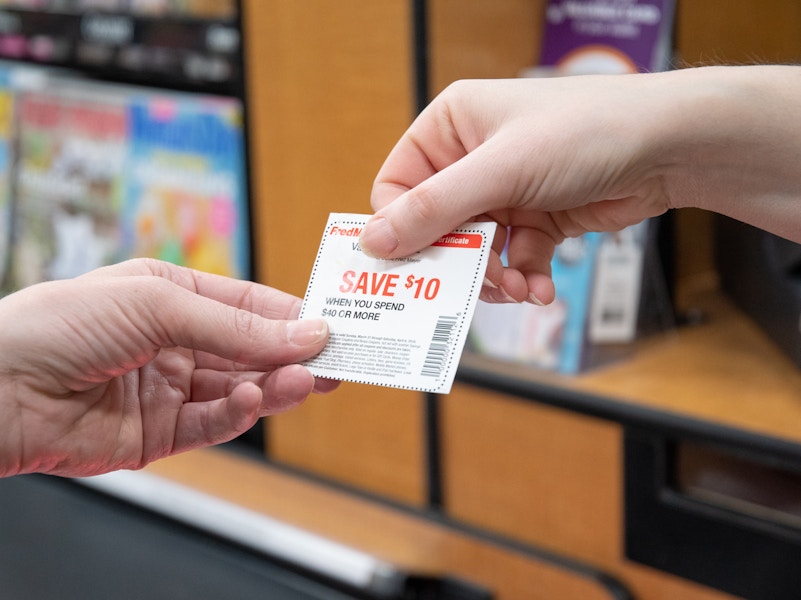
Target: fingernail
{"x":378,"y":238}
{"x":534,"y":300}
{"x":489,"y":284}
{"x":504,"y":296}
{"x":501,"y":297}
{"x":306,"y":332}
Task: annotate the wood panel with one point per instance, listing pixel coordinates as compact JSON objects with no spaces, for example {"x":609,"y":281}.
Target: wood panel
{"x":329,"y":91}
{"x":474,"y":39}
{"x":370,"y":438}
{"x":725,"y":370}
{"x":548,"y":477}
{"x":746,"y":31}
{"x":532,"y":472}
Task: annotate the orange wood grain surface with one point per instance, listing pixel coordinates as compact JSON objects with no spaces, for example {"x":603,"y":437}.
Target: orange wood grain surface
{"x":329,"y":91}
{"x":725,"y":370}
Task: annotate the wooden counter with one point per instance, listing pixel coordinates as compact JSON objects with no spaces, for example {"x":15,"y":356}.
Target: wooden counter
{"x":724,"y":372}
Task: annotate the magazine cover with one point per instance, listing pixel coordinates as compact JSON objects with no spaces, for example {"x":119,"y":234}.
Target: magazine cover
{"x":72,"y":149}
{"x":6,"y":166}
{"x":607,"y":36}
{"x":185,"y":198}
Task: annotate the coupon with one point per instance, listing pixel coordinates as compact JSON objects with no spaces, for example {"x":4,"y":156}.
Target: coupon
{"x":395,"y":322}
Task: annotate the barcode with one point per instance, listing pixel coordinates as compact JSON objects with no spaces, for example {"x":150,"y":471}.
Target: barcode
{"x":437,"y":355}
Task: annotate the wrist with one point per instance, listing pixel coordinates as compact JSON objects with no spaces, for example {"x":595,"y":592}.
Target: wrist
{"x":729,"y":143}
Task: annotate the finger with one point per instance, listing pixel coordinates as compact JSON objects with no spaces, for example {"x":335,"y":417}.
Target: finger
{"x":211,"y":384}
{"x":541,"y":290}
{"x":171,"y":316}
{"x":202,"y":424}
{"x":475,"y":184}
{"x":511,"y":288}
{"x":254,"y":297}
{"x":531,"y":251}
{"x":429,"y":145}
{"x":325,"y":386}
{"x":494,"y":272}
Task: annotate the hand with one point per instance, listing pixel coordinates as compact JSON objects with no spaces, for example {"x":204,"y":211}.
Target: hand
{"x":552,"y":158}
{"x":142,"y":360}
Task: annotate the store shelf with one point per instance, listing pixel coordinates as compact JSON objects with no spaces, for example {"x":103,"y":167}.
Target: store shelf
{"x":721,"y":377}
{"x":181,"y":52}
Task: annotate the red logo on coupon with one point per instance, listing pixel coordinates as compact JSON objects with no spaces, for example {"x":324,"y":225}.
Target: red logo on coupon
{"x":460,"y":240}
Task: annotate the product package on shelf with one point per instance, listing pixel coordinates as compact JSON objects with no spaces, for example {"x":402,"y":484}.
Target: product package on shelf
{"x":606,"y":36}
{"x":552,"y":336}
{"x":185,"y":197}
{"x":610,"y":290}
{"x":71,"y":155}
{"x":599,"y":277}
{"x":6,"y":156}
{"x":92,"y":173}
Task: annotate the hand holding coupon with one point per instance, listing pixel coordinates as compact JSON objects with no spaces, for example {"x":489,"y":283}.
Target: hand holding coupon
{"x":399,"y":322}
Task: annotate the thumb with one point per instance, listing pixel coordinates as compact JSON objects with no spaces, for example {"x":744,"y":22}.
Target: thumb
{"x":414,"y":219}
{"x":179,"y":317}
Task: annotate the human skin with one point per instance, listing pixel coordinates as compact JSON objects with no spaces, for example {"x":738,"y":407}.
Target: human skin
{"x":554,"y":158}
{"x":141,"y":360}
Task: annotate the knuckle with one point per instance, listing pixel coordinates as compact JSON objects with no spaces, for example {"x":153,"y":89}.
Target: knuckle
{"x":244,"y":322}
{"x":422,"y":204}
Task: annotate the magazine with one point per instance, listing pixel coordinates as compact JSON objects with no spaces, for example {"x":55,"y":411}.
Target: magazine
{"x":6,"y":166}
{"x":72,"y":150}
{"x":185,"y":193}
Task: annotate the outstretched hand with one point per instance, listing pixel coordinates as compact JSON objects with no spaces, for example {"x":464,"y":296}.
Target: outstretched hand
{"x":555,"y":158}
{"x":141,"y":360}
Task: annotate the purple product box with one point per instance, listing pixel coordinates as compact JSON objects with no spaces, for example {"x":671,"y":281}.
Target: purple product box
{"x":607,"y":36}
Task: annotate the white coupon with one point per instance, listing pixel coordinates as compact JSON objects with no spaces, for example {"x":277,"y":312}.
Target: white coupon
{"x":395,"y":322}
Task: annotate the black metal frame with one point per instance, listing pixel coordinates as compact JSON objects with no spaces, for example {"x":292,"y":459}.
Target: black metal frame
{"x":736,"y":552}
